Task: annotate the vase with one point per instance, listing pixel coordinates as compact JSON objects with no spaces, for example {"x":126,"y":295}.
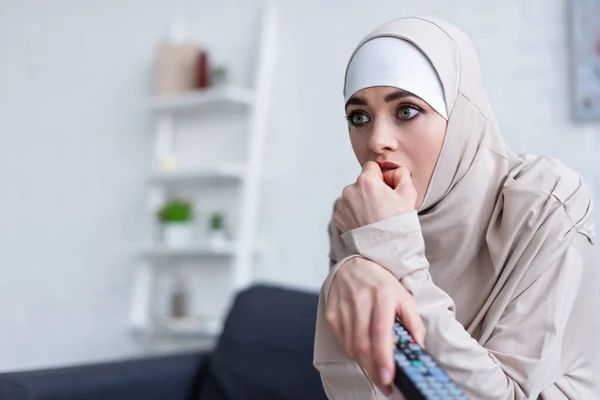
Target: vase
{"x":177,"y":235}
{"x":217,"y":239}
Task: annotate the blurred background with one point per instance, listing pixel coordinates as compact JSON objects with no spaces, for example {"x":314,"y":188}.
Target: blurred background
{"x":135,"y":201}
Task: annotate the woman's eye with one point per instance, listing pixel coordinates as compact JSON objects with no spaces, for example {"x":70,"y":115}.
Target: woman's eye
{"x":358,"y":118}
{"x":407,"y":112}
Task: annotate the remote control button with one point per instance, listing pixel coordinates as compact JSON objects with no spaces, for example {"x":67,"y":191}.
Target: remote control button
{"x":402,"y":358}
{"x":414,"y":376}
{"x":403,"y":362}
{"x":434,"y":382}
{"x":439,"y":375}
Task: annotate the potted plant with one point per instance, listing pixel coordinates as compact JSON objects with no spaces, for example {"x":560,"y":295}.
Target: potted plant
{"x":176,"y":217}
{"x":217,"y":235}
{"x":219,"y":75}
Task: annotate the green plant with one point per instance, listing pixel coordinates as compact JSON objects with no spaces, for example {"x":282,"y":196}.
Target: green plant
{"x":176,"y":210}
{"x":217,"y":221}
{"x":219,"y":73}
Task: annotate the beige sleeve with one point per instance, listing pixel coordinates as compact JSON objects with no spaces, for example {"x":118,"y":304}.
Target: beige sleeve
{"x":514,"y":364}
{"x":342,"y":377}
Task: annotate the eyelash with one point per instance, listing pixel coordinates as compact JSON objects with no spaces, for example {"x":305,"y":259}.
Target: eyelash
{"x":350,"y":116}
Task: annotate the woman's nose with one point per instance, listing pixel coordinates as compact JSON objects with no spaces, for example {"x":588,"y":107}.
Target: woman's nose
{"x":383,"y":137}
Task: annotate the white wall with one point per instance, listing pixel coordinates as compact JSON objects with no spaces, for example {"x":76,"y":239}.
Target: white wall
{"x":74,"y":142}
{"x":524,"y":55}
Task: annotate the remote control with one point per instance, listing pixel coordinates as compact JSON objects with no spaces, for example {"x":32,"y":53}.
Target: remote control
{"x":418,"y":377}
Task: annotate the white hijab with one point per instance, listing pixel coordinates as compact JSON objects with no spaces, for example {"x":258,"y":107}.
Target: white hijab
{"x":388,"y":61}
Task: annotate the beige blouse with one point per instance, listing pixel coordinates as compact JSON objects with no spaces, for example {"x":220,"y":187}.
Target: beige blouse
{"x":544,"y":346}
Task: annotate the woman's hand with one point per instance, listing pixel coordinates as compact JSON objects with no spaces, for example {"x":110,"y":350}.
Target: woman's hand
{"x":375,"y":196}
{"x":364,"y":300}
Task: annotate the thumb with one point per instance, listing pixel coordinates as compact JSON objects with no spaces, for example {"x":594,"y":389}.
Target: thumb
{"x":397,"y":177}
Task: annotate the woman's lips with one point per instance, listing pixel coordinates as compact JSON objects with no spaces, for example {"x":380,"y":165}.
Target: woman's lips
{"x":387,"y":165}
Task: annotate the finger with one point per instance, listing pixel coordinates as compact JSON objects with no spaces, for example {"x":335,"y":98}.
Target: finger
{"x":347,"y":325}
{"x":338,"y":220}
{"x":407,"y":309}
{"x":339,"y":215}
{"x":382,"y":321}
{"x":362,"y":343}
{"x":371,"y":168}
{"x":397,"y":177}
{"x":333,"y":316}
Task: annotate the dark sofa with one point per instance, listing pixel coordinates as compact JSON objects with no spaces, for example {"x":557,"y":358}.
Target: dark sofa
{"x":265,"y":352}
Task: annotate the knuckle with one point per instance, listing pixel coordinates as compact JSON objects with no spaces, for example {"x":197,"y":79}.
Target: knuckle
{"x":331,"y":317}
{"x":345,"y":193}
{"x":363,"y":179}
{"x":359,"y":260}
{"x":354,"y":261}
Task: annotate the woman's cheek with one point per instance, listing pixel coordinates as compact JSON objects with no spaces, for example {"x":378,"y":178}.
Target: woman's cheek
{"x":360,"y":148}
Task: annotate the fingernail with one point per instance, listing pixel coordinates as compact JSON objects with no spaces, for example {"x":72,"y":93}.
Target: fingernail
{"x":386,"y":376}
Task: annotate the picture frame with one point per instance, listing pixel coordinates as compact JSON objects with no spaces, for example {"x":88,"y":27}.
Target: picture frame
{"x":585,"y":56}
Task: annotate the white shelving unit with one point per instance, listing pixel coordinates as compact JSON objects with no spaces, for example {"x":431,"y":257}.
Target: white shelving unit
{"x":228,"y":96}
{"x":162,"y":252}
{"x":224,"y":175}
{"x":247,"y":176}
{"x":207,"y":327}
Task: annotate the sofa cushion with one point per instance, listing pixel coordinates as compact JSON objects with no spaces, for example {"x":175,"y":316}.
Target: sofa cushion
{"x":266,"y":349}
{"x":157,"y":378}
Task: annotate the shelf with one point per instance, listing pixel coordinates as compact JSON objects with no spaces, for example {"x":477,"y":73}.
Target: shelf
{"x":193,"y":251}
{"x":206,"y":177}
{"x":227,"y":95}
{"x":234,"y":106}
{"x":190,"y":326}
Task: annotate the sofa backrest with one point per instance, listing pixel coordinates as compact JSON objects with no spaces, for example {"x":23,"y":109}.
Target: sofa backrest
{"x":266,"y":348}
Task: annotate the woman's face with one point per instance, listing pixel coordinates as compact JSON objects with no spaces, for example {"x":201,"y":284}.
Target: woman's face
{"x":390,"y":125}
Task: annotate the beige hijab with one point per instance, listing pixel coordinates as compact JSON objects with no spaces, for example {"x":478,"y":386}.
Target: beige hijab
{"x":487,"y":214}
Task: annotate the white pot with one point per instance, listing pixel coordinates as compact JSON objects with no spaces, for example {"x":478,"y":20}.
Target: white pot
{"x":177,"y":235}
{"x":217,"y":239}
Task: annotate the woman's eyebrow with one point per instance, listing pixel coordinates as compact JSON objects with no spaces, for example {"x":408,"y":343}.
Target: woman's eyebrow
{"x":357,"y":101}
{"x":398,"y":94}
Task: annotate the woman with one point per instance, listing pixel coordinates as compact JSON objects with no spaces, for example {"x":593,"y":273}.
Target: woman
{"x":485,"y":256}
